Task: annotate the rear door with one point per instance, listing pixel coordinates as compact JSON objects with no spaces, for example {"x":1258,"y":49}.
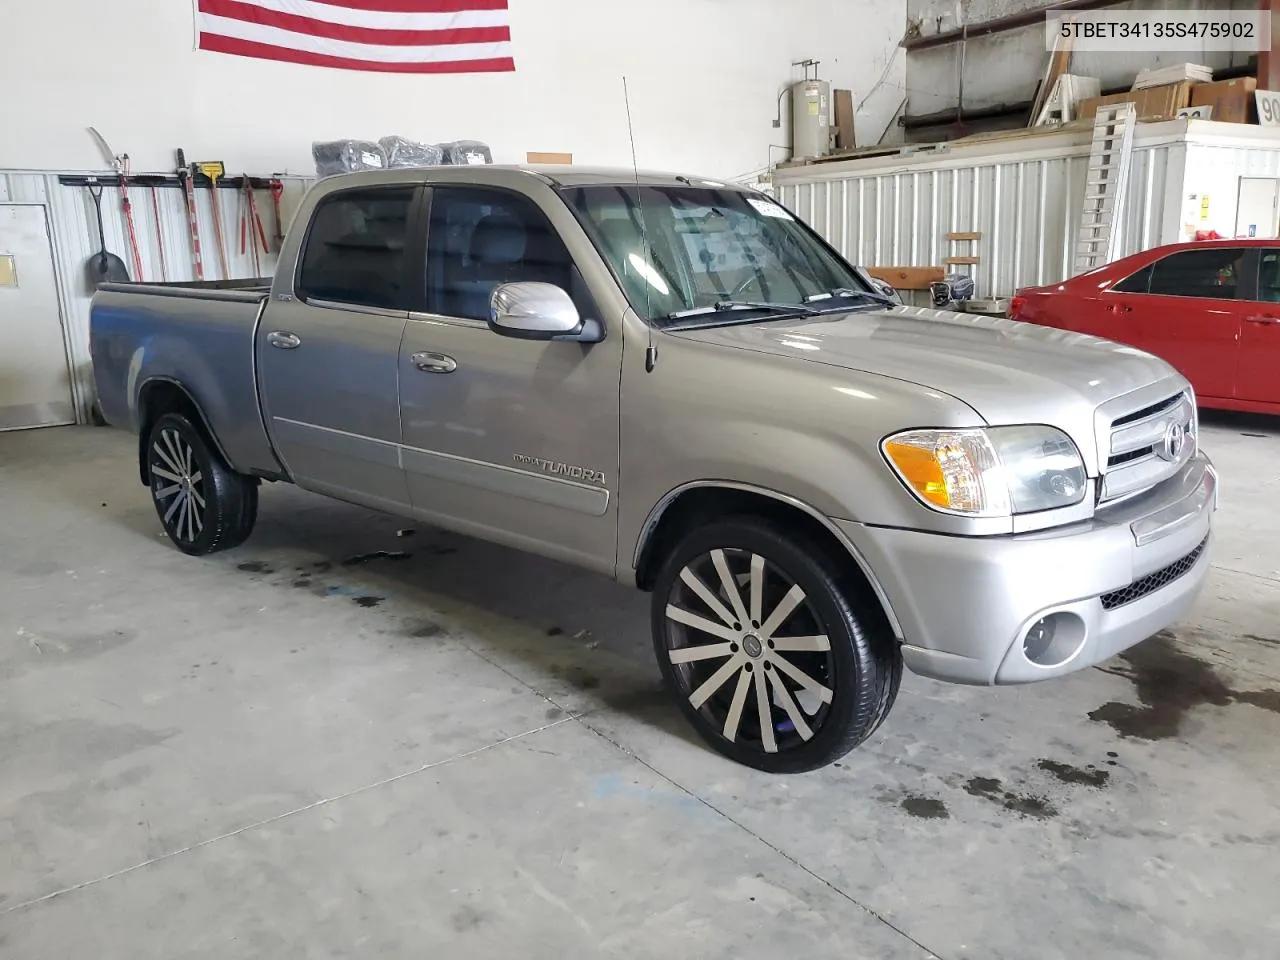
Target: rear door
{"x":1186,"y":308}
{"x":328,"y":351}
{"x":1259,"y":377}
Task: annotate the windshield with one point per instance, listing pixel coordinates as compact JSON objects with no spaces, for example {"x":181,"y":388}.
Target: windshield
{"x":707,"y":246}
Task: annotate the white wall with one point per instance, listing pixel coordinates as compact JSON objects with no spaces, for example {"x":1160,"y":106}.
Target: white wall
{"x":1005,"y":67}
{"x":704,"y":76}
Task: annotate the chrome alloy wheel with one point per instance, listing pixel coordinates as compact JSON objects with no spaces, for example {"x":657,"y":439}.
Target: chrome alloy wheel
{"x":177,"y":484}
{"x":749,"y":650}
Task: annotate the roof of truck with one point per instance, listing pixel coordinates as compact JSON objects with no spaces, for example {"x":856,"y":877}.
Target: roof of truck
{"x":566,"y":176}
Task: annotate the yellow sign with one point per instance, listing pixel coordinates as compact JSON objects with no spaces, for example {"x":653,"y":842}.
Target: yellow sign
{"x":8,"y":270}
{"x":1204,"y":207}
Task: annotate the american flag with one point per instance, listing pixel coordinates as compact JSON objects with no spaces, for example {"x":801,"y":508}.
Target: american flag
{"x":390,"y":36}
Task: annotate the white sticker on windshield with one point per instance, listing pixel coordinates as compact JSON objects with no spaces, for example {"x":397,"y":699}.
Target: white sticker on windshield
{"x":769,"y":209}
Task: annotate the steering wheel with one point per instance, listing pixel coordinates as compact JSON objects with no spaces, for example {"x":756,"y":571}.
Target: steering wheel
{"x":736,"y":291}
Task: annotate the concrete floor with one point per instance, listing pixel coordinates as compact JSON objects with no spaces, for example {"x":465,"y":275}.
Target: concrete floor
{"x":466,"y":753}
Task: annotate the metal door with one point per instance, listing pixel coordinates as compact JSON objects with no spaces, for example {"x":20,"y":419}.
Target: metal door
{"x":1258,"y":378}
{"x":328,"y":347}
{"x":1185,"y":308}
{"x":510,"y":440}
{"x":35,"y":384}
{"x":1257,"y":213}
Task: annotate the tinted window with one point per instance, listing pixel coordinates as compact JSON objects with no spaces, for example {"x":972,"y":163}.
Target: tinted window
{"x":681,"y":248}
{"x":1138,"y":282}
{"x":355,"y":250}
{"x":1216,"y":273}
{"x":481,"y":238}
{"x":1269,"y":276}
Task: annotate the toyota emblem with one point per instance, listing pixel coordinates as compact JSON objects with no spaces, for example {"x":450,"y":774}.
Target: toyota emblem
{"x":1175,"y":438}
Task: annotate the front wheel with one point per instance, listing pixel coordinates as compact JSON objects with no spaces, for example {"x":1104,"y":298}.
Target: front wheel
{"x":204,"y":505}
{"x":774,"y":662}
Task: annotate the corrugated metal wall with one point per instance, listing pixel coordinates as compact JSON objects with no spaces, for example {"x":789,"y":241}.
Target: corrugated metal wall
{"x":74,"y":232}
{"x":1026,"y":211}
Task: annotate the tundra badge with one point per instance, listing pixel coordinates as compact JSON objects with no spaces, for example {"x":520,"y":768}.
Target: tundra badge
{"x":558,"y":469}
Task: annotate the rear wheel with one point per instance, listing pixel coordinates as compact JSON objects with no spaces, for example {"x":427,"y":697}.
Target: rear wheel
{"x":204,"y":505}
{"x":775,"y":663}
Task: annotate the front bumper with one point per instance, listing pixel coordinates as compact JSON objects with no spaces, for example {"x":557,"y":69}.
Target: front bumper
{"x":965,"y":604}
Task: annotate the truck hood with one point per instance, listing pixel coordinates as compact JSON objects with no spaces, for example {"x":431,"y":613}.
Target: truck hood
{"x":1007,"y":371}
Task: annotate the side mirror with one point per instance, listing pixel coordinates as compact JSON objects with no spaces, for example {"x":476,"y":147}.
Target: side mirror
{"x":539,"y":311}
{"x":885,"y":289}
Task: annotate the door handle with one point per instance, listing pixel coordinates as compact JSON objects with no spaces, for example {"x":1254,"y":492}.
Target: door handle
{"x":1262,"y":318}
{"x":1119,"y":308}
{"x":429,"y":362}
{"x":284,"y":340}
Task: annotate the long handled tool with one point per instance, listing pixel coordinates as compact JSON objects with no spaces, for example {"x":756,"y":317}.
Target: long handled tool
{"x":122,"y":167}
{"x":120,"y":164}
{"x":155,"y":214}
{"x":103,"y":267}
{"x":215,"y":170}
{"x":189,"y":192}
{"x":277,"y":191}
{"x":251,"y":224}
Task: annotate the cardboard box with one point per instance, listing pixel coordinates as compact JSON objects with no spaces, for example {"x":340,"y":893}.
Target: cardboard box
{"x":1232,"y":100}
{"x":844,"y":120}
{"x":536,"y":157}
{"x":1152,"y":103}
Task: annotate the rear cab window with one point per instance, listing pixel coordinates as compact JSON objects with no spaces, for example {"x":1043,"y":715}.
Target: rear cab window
{"x":355,"y":249}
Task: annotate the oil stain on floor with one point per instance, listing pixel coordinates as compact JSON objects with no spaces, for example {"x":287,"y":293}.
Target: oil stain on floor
{"x":1024,"y":804}
{"x":1088,"y":776}
{"x":1169,"y":684}
{"x":926,"y":808}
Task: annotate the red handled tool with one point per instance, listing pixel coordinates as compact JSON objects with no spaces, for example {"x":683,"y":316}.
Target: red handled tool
{"x":251,"y":232}
{"x":122,"y":167}
{"x":277,"y":191}
{"x":193,"y":221}
{"x":155,"y":213}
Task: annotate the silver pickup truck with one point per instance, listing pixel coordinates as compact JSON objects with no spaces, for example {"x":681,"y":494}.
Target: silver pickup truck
{"x":676,"y":383}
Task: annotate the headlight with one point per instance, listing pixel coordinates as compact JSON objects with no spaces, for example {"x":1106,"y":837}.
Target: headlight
{"x":992,"y":472}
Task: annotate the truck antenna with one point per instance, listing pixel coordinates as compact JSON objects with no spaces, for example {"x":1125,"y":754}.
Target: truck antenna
{"x":651,"y":352}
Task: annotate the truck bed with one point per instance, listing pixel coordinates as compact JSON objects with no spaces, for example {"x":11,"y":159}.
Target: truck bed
{"x":198,"y":337}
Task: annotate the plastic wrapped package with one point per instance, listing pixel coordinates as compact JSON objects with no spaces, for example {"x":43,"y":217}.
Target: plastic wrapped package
{"x":408,"y":153}
{"x":347,"y":156}
{"x":466,"y":151}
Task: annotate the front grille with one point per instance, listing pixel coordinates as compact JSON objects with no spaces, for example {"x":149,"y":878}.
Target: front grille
{"x":1150,"y":411}
{"x":1153,"y":581}
{"x":1121,"y":458}
{"x":1137,"y":458}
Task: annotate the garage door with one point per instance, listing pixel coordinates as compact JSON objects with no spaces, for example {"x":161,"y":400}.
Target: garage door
{"x":35,"y":387}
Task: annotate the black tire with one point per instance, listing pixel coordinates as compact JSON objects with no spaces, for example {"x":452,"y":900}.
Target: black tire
{"x":860,"y":669}
{"x":220,"y":506}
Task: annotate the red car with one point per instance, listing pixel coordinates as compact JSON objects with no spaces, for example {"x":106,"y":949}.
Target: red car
{"x":1211,"y":309}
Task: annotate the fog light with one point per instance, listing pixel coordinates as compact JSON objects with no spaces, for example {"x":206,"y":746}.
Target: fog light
{"x":1053,"y":640}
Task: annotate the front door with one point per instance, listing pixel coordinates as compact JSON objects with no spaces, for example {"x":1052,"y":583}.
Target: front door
{"x":512,"y":440}
{"x":1259,"y":373}
{"x":35,"y":387}
{"x":1185,"y":308}
{"x":329,"y":343}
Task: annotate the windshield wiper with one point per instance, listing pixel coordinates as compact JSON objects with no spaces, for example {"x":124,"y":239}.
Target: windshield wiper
{"x":726,"y":306}
{"x":845,"y":292}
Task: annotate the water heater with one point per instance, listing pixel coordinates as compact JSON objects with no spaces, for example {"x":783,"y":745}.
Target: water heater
{"x":810,"y":115}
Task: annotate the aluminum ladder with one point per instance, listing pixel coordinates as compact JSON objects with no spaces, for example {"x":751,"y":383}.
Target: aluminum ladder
{"x":1106,"y":181}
